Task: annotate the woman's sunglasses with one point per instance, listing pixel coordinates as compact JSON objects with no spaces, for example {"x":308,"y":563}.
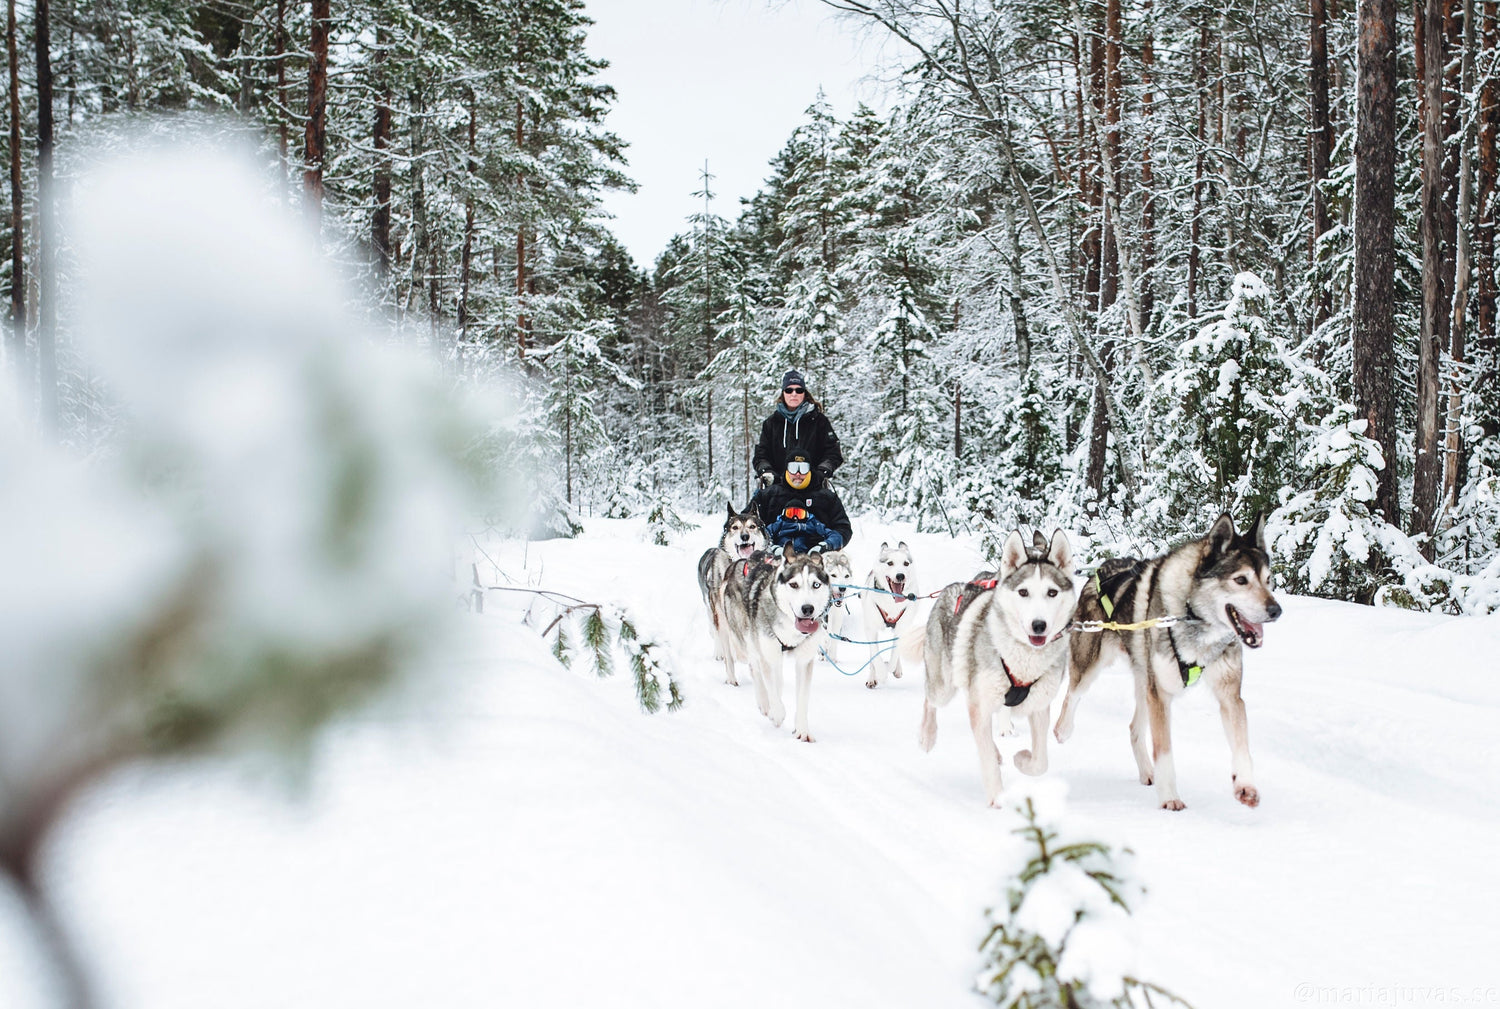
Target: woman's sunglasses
{"x":795,"y":391}
{"x":798,"y":468}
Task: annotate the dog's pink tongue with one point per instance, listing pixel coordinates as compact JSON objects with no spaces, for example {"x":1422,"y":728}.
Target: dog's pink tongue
{"x":1256,"y":632}
{"x":806,"y":625}
{"x":746,"y":549}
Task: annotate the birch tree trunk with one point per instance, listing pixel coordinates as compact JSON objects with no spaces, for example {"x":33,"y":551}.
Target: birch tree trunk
{"x":380,"y":221}
{"x":1320,"y":142}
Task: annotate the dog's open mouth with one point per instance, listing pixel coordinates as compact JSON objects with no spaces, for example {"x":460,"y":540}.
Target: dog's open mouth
{"x":1250,"y":633}
{"x":897,"y":588}
{"x":806,"y":625}
{"x":746,"y":549}
{"x":1037,"y":640}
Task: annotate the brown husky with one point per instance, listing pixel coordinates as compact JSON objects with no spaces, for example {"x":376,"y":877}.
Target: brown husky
{"x":1220,"y":586}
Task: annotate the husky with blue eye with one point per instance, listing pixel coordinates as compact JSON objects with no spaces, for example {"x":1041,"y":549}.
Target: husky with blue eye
{"x":775,"y":611}
{"x":1003,"y":638}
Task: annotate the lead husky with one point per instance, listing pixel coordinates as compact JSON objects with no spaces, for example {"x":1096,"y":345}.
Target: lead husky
{"x":772,"y":610}
{"x":1221,"y":584}
{"x":1001,"y":638}
{"x":743,"y":535}
{"x":885,"y":602}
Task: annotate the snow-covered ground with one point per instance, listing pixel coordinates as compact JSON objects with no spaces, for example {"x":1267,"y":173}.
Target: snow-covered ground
{"x":523,"y":836}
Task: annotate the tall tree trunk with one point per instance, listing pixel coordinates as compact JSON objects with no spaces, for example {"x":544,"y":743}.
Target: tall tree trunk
{"x":708,"y":311}
{"x":523,"y":324}
{"x":315,"y":139}
{"x":1455,"y":463}
{"x":17,"y":202}
{"x":46,"y":337}
{"x":1195,"y":224}
{"x":380,"y":222}
{"x":1098,"y":282}
{"x":1148,"y":179}
{"x":1435,"y":303}
{"x":1320,"y":143}
{"x":472,"y":168}
{"x":421,"y":241}
{"x":1484,"y":231}
{"x":1017,"y":293}
{"x":1374,"y":238}
{"x":283,"y":102}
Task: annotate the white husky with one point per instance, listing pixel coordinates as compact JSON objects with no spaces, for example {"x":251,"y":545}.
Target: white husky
{"x":886,"y":600}
{"x":840,"y":574}
{"x":1003,"y":638}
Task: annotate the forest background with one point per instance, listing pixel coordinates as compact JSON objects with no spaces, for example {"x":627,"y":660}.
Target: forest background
{"x":1100,"y":265}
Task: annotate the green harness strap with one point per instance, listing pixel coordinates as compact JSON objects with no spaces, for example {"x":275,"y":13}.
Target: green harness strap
{"x":1104,"y":600}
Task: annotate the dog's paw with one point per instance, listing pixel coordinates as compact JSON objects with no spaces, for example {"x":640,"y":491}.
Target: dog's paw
{"x":1247,"y":795}
{"x":1027,"y":764}
{"x":1174,"y":805}
{"x":805,"y":736}
{"x":1062,"y":730}
{"x":872,"y":683}
{"x":731,"y":680}
{"x":897,"y":671}
{"x":1147,"y":779}
{"x":777,"y":715}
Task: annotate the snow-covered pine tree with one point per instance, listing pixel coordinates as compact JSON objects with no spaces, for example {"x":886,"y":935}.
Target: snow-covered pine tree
{"x":1232,"y":404}
{"x":909,"y":445}
{"x":1062,"y":937}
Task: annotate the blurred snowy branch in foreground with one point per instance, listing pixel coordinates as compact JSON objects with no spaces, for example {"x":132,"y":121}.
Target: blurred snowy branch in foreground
{"x":265,"y":536}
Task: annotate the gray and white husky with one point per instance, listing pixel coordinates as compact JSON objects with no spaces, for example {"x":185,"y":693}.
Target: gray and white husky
{"x":774,"y":611}
{"x":1002,"y":637}
{"x":1221,"y":584}
{"x":840,"y":574}
{"x":885,"y":603}
{"x":743,"y":535}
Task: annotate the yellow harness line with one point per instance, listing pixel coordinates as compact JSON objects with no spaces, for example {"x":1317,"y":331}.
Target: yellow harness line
{"x":1190,"y":673}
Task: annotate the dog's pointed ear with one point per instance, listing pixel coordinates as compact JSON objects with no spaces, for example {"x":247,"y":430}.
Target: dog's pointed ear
{"x":884,"y":545}
{"x":1038,"y":541}
{"x":1257,"y":533}
{"x":1221,"y":535}
{"x":732,"y":512}
{"x":1013,"y":554}
{"x":902,"y":546}
{"x":788,"y":552}
{"x":1061,"y":551}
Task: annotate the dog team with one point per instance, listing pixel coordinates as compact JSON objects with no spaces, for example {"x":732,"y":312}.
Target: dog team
{"x":778,"y":585}
{"x":1009,"y":637}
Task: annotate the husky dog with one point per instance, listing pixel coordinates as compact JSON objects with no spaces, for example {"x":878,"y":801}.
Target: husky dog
{"x":771,"y":610}
{"x":1002,"y":638}
{"x":885,"y":602}
{"x":743,"y":535}
{"x":1221,"y":584}
{"x":840,"y":573}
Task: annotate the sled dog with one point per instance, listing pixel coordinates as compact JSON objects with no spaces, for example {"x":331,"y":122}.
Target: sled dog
{"x":743,"y":535}
{"x":885,"y":603}
{"x":773,"y":611}
{"x":1221,"y":584}
{"x":1003,"y":638}
{"x":840,"y":574}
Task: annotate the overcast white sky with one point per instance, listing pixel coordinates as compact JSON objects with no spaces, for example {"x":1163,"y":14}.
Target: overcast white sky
{"x":725,"y":80}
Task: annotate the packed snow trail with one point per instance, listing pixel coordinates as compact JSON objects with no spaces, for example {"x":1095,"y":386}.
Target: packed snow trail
{"x":529,"y":838}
